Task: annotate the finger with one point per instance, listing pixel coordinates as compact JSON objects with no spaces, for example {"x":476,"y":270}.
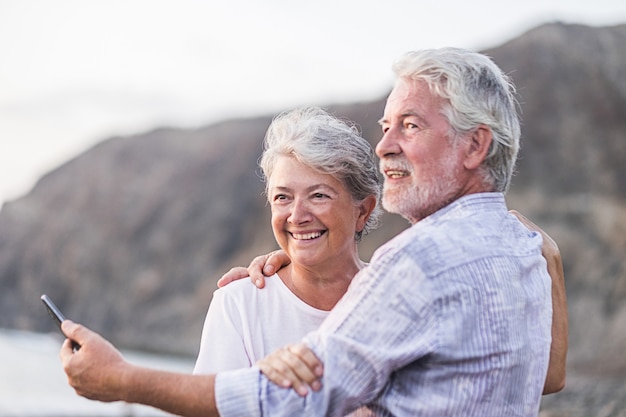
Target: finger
{"x":233,"y":274}
{"x":550,"y":244}
{"x":66,"y":352}
{"x":275,"y":261}
{"x":529,"y":224}
{"x":255,"y":269}
{"x":523,"y":219}
{"x":309,"y":358}
{"x":303,"y":377}
{"x":305,"y":365}
{"x":74,"y":331}
{"x":277,"y":370}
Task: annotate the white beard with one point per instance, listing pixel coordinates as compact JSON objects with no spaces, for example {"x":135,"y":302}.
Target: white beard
{"x":423,"y":196}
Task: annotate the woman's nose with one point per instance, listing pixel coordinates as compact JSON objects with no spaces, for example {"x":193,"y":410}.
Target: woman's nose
{"x":300,"y":212}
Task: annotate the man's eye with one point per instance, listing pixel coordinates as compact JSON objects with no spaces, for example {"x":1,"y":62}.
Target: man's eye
{"x":320,"y":195}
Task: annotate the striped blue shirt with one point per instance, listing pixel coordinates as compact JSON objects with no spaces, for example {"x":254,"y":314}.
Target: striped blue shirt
{"x":451,"y":318}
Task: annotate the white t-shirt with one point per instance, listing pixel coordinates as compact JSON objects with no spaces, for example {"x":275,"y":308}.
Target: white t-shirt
{"x":245,"y":324}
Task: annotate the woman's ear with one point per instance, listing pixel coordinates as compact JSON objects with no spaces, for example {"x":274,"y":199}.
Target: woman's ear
{"x":365,"y":208}
{"x":478,"y":145}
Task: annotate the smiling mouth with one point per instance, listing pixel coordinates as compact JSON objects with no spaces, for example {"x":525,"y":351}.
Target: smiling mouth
{"x":307,"y":236}
{"x":393,"y":174}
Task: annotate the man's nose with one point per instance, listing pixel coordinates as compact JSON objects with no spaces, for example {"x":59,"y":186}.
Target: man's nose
{"x":388,"y":144}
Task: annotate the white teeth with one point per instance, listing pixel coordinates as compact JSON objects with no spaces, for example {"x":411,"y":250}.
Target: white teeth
{"x":396,"y":174}
{"x":306,"y":236}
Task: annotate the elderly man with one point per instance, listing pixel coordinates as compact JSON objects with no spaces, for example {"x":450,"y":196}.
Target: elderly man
{"x":451,"y":317}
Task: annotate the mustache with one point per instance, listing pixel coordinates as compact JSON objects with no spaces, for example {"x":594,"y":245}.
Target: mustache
{"x":396,"y":163}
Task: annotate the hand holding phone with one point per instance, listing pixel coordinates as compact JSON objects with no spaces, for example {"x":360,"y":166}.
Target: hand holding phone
{"x":57,"y":316}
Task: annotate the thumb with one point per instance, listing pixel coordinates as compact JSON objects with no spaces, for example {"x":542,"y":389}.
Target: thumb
{"x":68,"y":327}
{"x":75,"y":331}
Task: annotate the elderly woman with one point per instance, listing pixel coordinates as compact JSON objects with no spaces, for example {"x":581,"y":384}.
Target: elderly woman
{"x":322,"y":186}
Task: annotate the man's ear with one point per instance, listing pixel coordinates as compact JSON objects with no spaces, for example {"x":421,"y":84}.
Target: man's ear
{"x":477,"y":147}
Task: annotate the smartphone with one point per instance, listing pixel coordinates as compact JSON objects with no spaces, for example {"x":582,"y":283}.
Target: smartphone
{"x":57,"y":316}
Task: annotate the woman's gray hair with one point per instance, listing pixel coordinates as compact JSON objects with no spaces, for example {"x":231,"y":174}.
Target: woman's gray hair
{"x":328,"y":145}
{"x":476,"y":92}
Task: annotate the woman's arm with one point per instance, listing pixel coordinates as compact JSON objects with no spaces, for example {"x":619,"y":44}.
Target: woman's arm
{"x":555,"y":380}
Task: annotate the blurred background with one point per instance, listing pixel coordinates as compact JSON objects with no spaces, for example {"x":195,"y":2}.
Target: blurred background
{"x":130,"y":131}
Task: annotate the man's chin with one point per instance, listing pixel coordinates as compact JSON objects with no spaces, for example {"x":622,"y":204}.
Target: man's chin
{"x":396,"y":205}
{"x":408,"y":208}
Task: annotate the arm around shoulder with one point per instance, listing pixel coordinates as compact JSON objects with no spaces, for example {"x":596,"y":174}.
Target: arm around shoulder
{"x":555,"y":379}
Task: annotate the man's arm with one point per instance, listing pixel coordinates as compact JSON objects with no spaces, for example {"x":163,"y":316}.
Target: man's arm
{"x":555,"y":380}
{"x":261,"y":267}
{"x":99,"y":372}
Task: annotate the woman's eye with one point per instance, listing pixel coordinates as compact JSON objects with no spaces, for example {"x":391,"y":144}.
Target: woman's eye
{"x":320,"y":195}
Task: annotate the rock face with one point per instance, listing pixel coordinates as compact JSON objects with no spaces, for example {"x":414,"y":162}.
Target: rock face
{"x":130,"y":237}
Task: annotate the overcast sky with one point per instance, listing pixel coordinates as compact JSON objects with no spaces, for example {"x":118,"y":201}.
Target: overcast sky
{"x":74,"y":72}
